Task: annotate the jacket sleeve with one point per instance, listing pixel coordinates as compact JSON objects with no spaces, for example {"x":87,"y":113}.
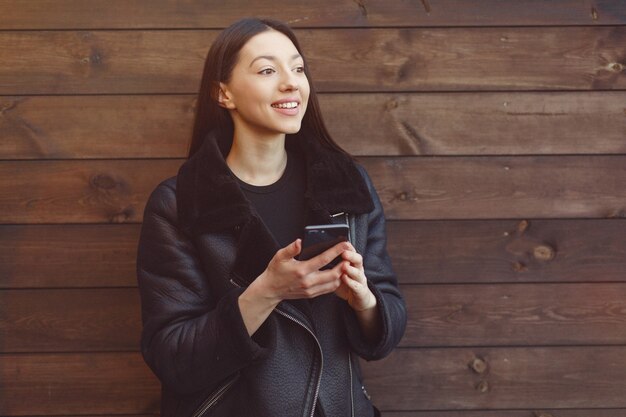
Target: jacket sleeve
{"x":190,"y":340}
{"x":383,"y":283}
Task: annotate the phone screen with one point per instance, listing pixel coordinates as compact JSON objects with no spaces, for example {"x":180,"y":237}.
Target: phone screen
{"x":318,"y":238}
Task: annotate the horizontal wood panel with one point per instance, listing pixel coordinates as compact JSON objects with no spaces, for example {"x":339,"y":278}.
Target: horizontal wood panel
{"x":123,"y":62}
{"x":500,"y":187}
{"x":79,"y":191}
{"x":521,"y":315}
{"x":83,"y":320}
{"x":201,"y":14}
{"x":100,"y":383}
{"x":70,"y":320}
{"x":365,"y":124}
{"x":421,"y":379}
{"x":68,"y":255}
{"x":511,"y":378}
{"x":508,"y":251}
{"x":409,"y":188}
{"x":36,"y":256}
{"x":513,"y":413}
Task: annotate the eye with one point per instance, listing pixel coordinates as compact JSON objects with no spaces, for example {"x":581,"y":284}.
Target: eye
{"x":266,"y":71}
{"x":299,"y":69}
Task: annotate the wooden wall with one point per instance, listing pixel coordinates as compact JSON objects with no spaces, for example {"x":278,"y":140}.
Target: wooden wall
{"x":495,"y":132}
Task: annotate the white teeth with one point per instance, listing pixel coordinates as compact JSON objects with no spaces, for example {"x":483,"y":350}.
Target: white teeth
{"x":289,"y":105}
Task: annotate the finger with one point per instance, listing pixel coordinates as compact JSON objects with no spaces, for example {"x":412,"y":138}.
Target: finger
{"x":323,"y":288}
{"x":290,"y":251}
{"x":353,"y":257}
{"x":327,"y":256}
{"x":354,"y":273}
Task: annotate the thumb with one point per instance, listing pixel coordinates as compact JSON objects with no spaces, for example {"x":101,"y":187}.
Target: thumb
{"x":291,"y":250}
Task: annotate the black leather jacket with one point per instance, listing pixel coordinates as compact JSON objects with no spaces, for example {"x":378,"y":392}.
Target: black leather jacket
{"x":202,"y":243}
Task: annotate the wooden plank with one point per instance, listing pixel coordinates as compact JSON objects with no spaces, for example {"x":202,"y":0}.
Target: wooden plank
{"x":508,"y":251}
{"x":500,"y":187}
{"x":614,"y":412}
{"x":97,"y":383}
{"x":123,"y":62}
{"x":79,"y":191}
{"x":70,"y":320}
{"x":85,"y":320}
{"x":62,"y":127}
{"x":410,"y":188}
{"x":514,"y":378}
{"x":68,"y":255}
{"x":421,"y":379}
{"x":120,"y":14}
{"x":515,"y":314}
{"x":40,"y":256}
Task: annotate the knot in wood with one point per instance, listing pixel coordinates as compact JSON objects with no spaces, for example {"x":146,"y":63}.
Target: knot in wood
{"x":391,"y":104}
{"x":617,"y":67}
{"x":402,"y":196}
{"x":519,"y":267}
{"x":103,"y":181}
{"x":544,"y":253}
{"x":482,"y":386}
{"x":522,"y":226}
{"x":478,"y":365}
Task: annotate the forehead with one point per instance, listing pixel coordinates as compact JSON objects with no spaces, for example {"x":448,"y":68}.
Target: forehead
{"x":271,"y":43}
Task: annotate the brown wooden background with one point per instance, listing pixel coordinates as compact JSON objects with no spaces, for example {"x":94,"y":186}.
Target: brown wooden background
{"x":495,"y":132}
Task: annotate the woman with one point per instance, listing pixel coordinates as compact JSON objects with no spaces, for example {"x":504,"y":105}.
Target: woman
{"x":234,"y":325}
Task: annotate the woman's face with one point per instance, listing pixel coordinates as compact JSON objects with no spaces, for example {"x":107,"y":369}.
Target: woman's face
{"x":268,"y":91}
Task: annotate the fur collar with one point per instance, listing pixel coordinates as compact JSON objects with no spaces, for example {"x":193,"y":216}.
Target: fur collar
{"x":209,"y":198}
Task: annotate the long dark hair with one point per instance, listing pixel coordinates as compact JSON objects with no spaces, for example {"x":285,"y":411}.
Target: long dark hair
{"x":218,"y":67}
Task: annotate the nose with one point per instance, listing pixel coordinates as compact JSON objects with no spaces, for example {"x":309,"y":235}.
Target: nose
{"x":289,"y":82}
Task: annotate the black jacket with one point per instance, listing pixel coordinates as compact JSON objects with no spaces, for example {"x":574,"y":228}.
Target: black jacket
{"x":202,"y":243}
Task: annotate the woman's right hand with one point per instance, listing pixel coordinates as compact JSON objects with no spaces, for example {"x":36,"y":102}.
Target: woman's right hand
{"x":287,"y":278}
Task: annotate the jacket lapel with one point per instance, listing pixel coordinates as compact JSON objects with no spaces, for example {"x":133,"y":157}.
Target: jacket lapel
{"x":210,"y":200}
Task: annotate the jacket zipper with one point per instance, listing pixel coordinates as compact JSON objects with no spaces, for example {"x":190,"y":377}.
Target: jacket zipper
{"x":319,"y":378}
{"x":351,"y":384}
{"x":214,"y":398}
{"x":295,"y":320}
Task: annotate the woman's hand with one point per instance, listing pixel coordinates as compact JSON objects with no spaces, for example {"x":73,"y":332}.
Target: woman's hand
{"x":355,"y":291}
{"x":287,"y":278}
{"x":353,"y":286}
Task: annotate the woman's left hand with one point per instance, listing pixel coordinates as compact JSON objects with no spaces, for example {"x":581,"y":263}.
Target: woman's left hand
{"x":353,"y":286}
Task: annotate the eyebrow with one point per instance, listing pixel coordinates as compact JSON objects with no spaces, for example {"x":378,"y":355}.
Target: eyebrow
{"x":273,"y":58}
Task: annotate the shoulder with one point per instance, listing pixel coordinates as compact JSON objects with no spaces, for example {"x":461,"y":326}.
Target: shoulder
{"x":162,"y":200}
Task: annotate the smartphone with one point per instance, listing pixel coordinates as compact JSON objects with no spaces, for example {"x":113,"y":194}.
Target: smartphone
{"x":318,"y":238}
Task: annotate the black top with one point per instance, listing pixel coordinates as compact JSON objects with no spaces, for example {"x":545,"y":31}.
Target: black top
{"x":281,"y":204}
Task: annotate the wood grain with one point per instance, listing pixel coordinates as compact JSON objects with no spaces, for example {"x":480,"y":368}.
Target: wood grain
{"x":74,"y":384}
{"x":515,"y":315}
{"x":513,"y":413}
{"x":520,"y":59}
{"x":510,"y":378}
{"x":108,"y":319}
{"x":157,"y":126}
{"x":70,"y":320}
{"x":68,"y":255}
{"x":436,"y":252}
{"x":79,"y":191}
{"x":201,"y":14}
{"x":422,"y":379}
{"x":410,"y":188}
{"x":500,"y":187}
{"x":508,"y":251}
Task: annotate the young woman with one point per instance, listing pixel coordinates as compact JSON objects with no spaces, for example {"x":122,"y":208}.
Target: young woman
{"x":233,"y":324}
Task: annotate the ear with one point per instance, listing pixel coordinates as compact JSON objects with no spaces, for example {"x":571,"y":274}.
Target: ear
{"x":224,"y":98}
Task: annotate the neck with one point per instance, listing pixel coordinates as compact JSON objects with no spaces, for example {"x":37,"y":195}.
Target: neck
{"x":257,"y":160}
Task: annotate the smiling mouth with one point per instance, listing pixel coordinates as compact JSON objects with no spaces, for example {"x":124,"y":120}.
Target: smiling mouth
{"x":288,"y":105}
